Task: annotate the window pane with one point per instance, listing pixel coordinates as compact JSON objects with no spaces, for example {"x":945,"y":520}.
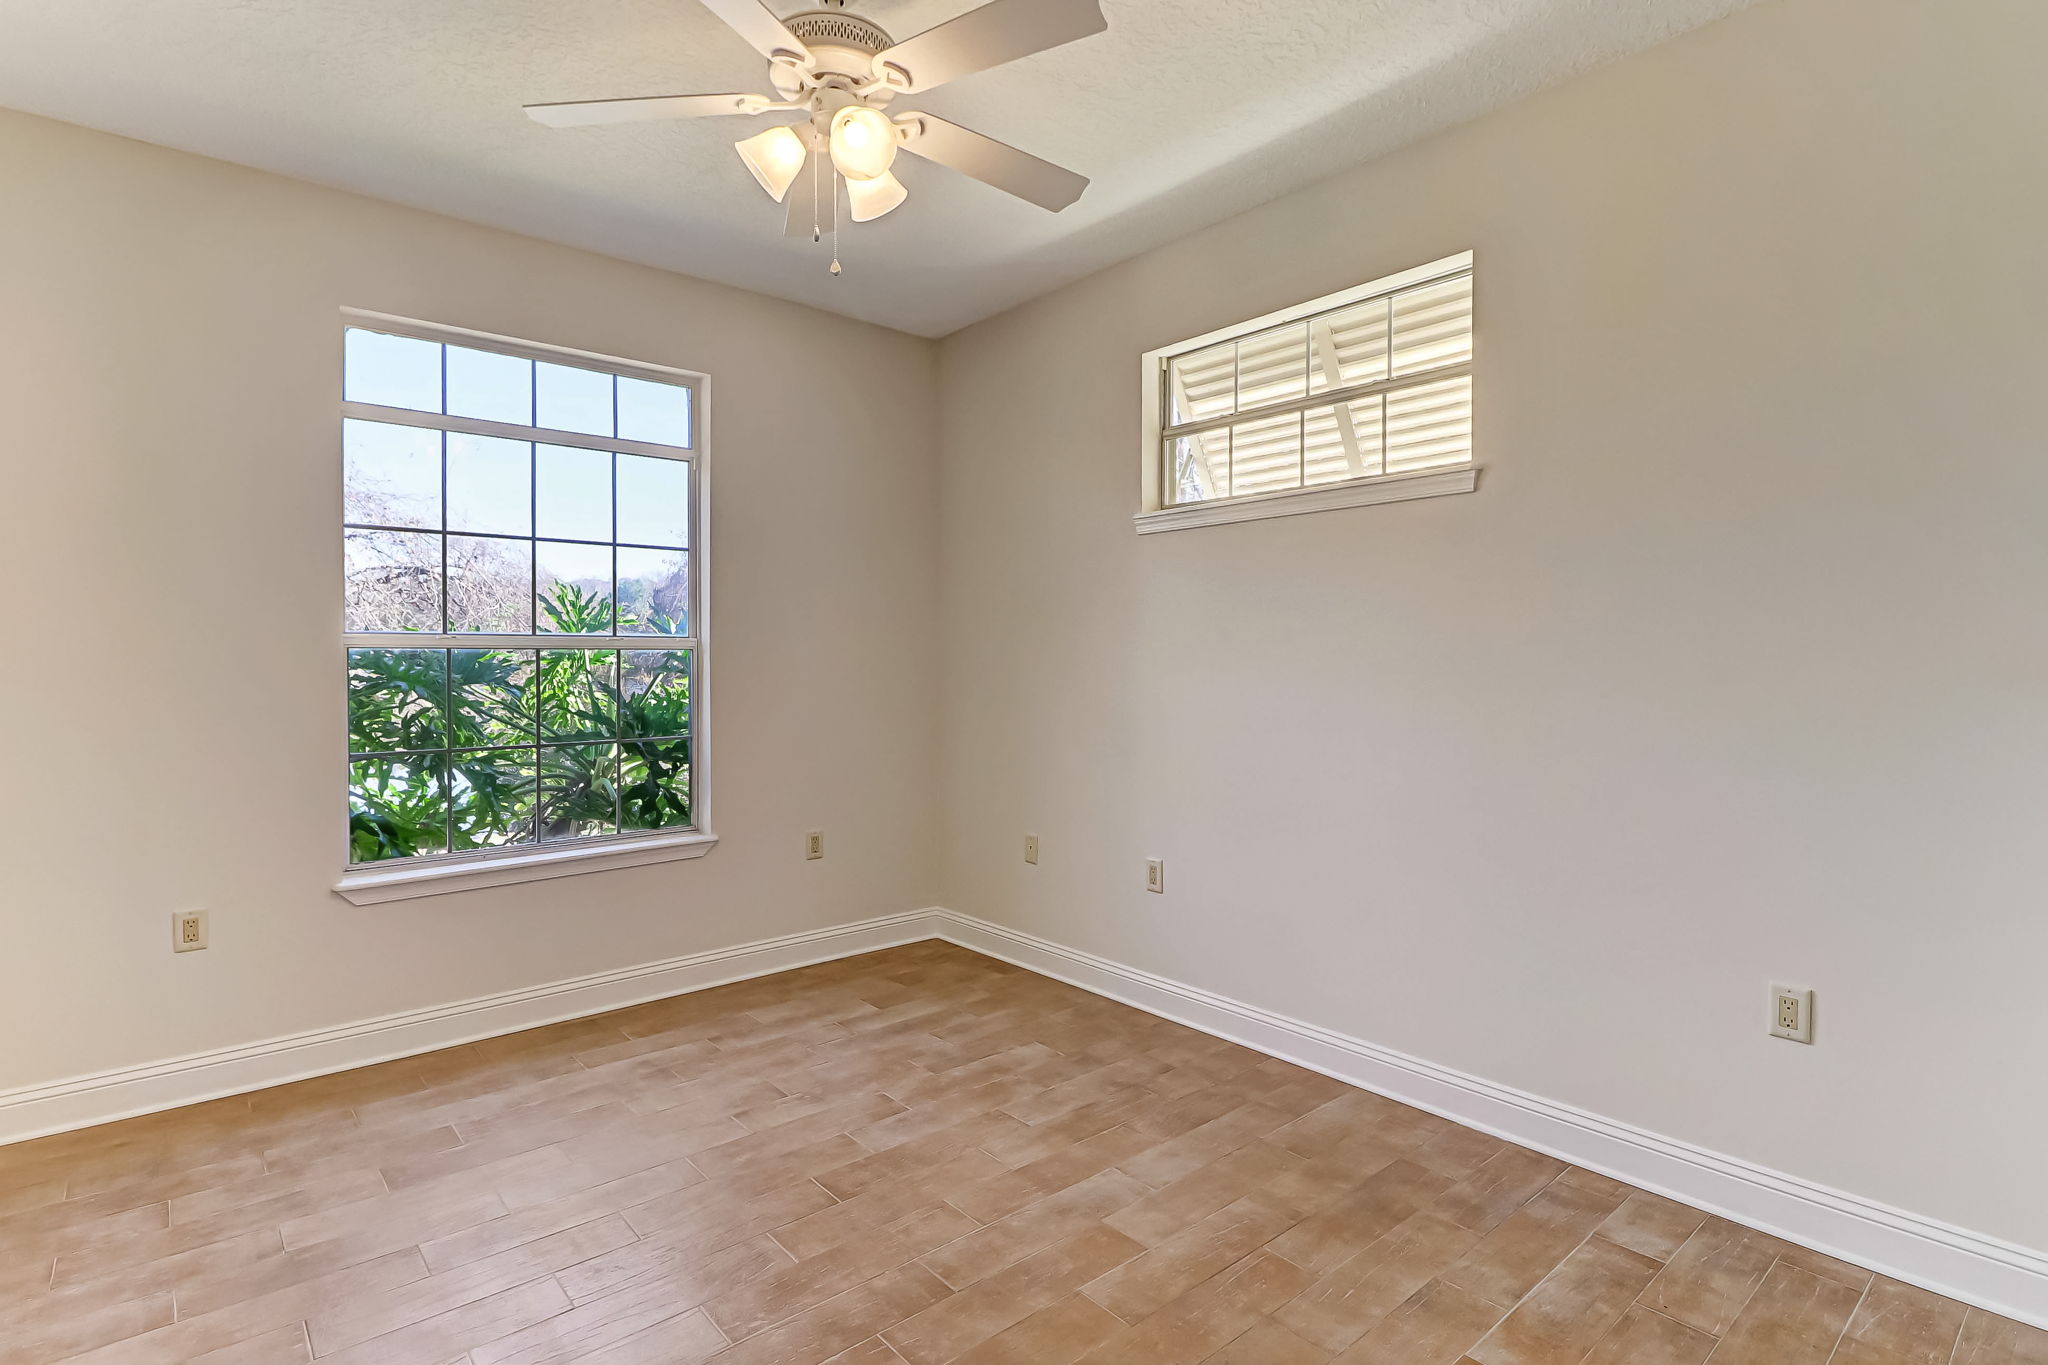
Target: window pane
{"x":490,"y":485}
{"x":659,"y":413}
{"x":1265,"y":455}
{"x":393,"y":580}
{"x":569,"y":399}
{"x":394,"y":372}
{"x":1203,"y":385}
{"x":574,"y":492}
{"x":579,"y":694}
{"x":1272,"y":367}
{"x":654,"y":693}
{"x":654,"y":501}
{"x":490,"y":797}
{"x":492,"y":691}
{"x":579,"y":794}
{"x":1350,"y":346}
{"x":654,"y":784}
{"x":391,"y":475}
{"x":396,"y":698}
{"x":497,"y":388}
{"x":1429,"y":425}
{"x":490,"y":585}
{"x":1198,"y":466}
{"x":654,"y":592}
{"x":1433,"y":326}
{"x":397,"y":808}
{"x":1342,"y":442}
{"x":574,"y":588}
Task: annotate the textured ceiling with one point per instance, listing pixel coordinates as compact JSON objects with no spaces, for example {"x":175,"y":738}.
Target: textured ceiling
{"x":1184,"y":113}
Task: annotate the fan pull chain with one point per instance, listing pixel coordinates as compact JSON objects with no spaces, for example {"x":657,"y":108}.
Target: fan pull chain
{"x":835,"y":222}
{"x":817,"y":234}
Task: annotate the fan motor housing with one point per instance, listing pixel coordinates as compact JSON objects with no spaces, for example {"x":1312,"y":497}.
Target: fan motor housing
{"x":840,"y":45}
{"x":837,"y":28}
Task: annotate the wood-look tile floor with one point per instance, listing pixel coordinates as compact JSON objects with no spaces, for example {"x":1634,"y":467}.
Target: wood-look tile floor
{"x":913,"y":1157}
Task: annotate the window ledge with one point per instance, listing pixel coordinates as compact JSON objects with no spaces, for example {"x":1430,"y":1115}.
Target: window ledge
{"x":376,"y":885}
{"x":1429,"y":483}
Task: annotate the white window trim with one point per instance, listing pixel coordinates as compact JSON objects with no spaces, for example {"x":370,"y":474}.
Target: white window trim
{"x":374,"y":884}
{"x":1157,"y":514}
{"x":378,"y":883}
{"x":1427,"y":483}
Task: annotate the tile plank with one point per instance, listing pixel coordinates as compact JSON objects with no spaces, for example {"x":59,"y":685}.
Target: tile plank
{"x":1646,"y":1338}
{"x":1571,"y":1310}
{"x":1795,"y":1318}
{"x":1356,"y":1295}
{"x":1208,"y":1317}
{"x":1709,"y":1279}
{"x":1899,"y":1323}
{"x":1158,"y":1275}
{"x":976,"y":1313}
{"x":1436,"y":1326}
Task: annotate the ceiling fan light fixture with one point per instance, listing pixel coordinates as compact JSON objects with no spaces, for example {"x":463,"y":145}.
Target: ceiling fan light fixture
{"x":867,"y":200}
{"x":841,"y":72}
{"x":775,"y":157}
{"x":863,"y":142}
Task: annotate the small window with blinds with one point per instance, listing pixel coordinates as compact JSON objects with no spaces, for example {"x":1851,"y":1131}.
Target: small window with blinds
{"x":1362,"y":397}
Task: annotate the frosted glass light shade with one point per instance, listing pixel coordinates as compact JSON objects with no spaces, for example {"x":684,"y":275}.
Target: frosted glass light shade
{"x":774,"y":157}
{"x":870,"y":199}
{"x":863,"y":142}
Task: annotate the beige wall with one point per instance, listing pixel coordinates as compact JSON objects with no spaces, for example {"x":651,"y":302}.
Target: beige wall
{"x":1733,"y":668}
{"x":170,"y":709}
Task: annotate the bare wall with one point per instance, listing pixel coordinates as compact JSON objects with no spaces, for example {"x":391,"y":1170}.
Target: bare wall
{"x":170,"y":560}
{"x":1731,"y":670}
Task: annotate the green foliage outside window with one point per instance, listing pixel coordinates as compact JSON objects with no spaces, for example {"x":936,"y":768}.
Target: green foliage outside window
{"x":460,"y":749}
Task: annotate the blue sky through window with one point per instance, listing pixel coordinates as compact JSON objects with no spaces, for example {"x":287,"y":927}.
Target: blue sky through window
{"x":427,"y":376}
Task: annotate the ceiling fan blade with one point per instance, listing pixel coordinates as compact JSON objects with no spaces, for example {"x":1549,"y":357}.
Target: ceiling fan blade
{"x":799,"y":222}
{"x":579,"y":113}
{"x":811,"y":204}
{"x":998,"y":32}
{"x":754,"y":22}
{"x":994,"y":163}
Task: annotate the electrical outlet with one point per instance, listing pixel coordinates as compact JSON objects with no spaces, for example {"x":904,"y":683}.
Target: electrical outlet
{"x":188,"y":931}
{"x":1031,"y":848}
{"x":1155,"y":875}
{"x":814,"y":844}
{"x":1791,"y":1013}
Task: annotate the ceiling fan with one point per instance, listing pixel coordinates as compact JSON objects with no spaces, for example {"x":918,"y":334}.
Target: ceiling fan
{"x":842,"y":72}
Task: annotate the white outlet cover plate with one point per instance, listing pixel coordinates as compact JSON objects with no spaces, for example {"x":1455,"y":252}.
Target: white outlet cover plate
{"x":1031,"y":848}
{"x":1155,"y":875}
{"x":1803,"y":1031}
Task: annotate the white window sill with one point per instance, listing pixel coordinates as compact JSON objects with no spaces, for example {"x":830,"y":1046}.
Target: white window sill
{"x":1429,"y":483}
{"x":376,"y":885}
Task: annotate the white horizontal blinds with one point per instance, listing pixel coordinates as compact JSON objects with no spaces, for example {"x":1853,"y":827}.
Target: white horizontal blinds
{"x":1204,"y":384}
{"x":1351,"y":345}
{"x":1242,"y":414}
{"x":1432,"y":326}
{"x":1272,"y":367}
{"x":1429,"y":426}
{"x":1345,"y":441}
{"x":1265,"y":455}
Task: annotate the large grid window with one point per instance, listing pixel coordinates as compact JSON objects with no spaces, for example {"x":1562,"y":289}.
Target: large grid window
{"x":520,"y":608}
{"x":1367,"y":385}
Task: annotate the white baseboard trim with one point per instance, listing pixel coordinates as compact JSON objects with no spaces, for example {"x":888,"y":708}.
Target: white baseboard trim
{"x":1992,"y":1274}
{"x":81,"y":1101}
